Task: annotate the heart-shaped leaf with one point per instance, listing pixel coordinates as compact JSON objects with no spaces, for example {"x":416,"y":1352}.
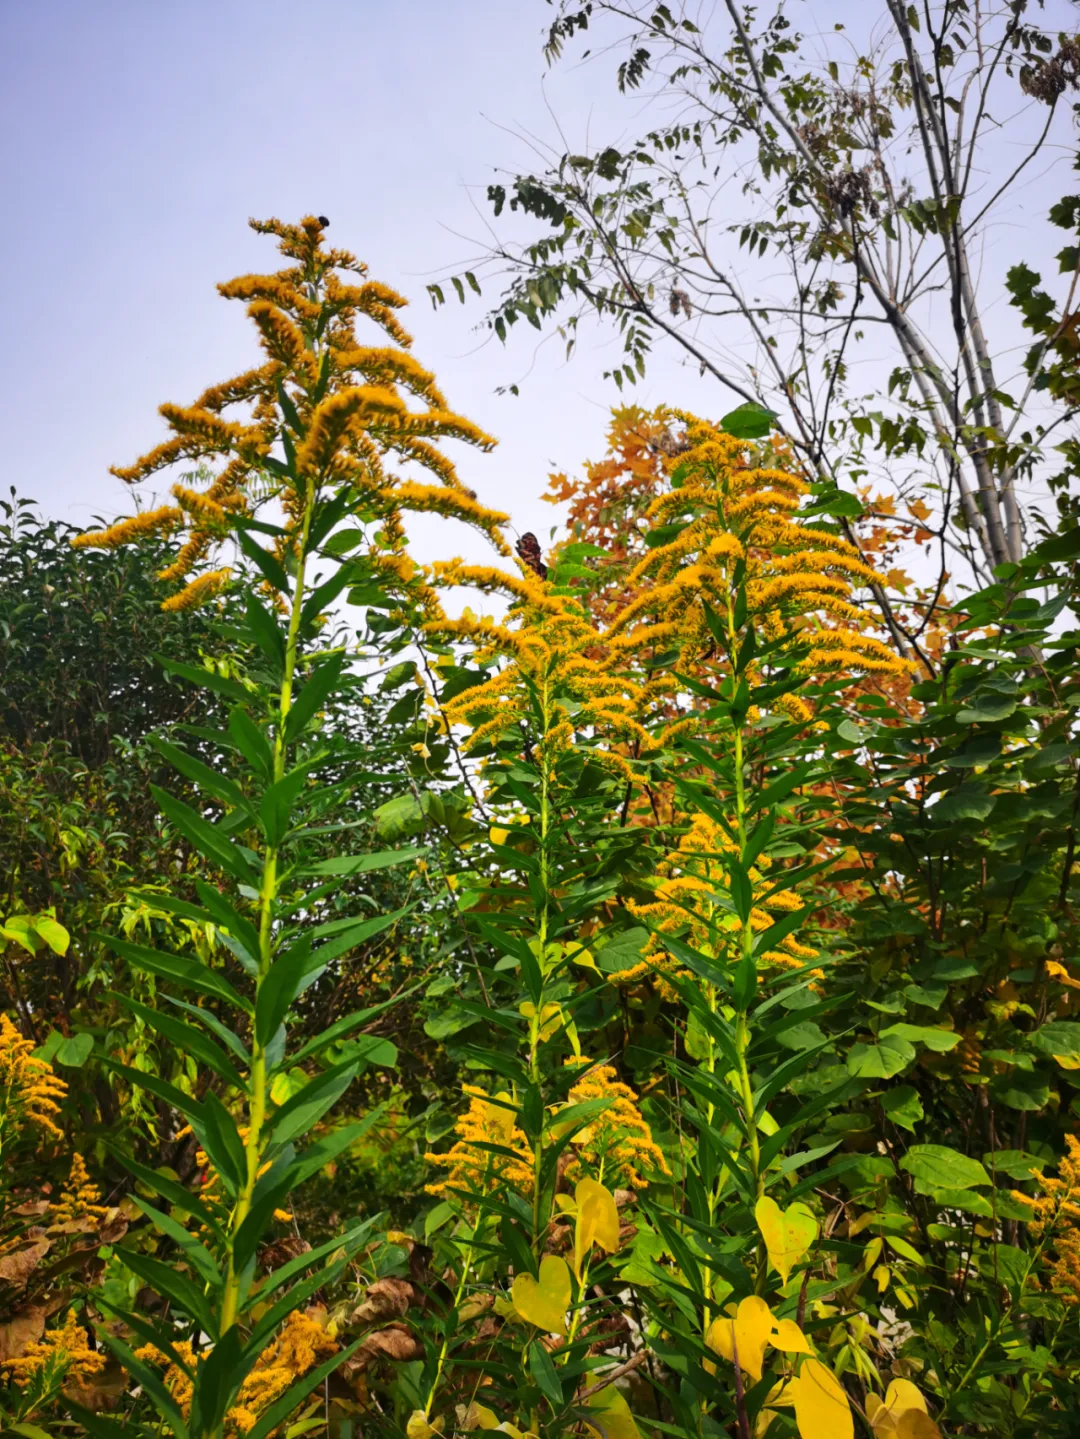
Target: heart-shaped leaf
{"x":788,"y":1233}
{"x":822,"y":1410}
{"x":544,"y":1301}
{"x":746,"y":1335}
{"x":613,"y":1412}
{"x":597,"y":1220}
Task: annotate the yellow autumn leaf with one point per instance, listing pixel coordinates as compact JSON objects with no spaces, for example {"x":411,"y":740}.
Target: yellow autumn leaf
{"x":788,"y":1233}
{"x":747,"y":1335}
{"x":790,"y":1338}
{"x":476,"y":1416}
{"x":543,"y":1302}
{"x":901,"y":1413}
{"x":916,"y":1425}
{"x":822,"y":1410}
{"x":613,"y":1417}
{"x":497,"y":835}
{"x":551,"y":1017}
{"x":418,"y":1426}
{"x":584,"y":957}
{"x":597,"y":1220}
{"x":901,"y":1396}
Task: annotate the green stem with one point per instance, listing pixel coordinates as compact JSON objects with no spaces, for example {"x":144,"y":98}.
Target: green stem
{"x":258,"y":1092}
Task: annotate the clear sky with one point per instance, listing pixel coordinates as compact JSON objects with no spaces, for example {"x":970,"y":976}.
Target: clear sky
{"x":139,"y":135}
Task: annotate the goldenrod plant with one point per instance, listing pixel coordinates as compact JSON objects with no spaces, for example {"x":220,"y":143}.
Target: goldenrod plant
{"x":300,"y":480}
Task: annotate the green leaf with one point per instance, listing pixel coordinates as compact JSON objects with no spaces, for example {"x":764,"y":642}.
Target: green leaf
{"x":543,"y":1372}
{"x":362,"y":863}
{"x":880,"y":1061}
{"x":250,"y":741}
{"x":941,"y":1041}
{"x":172,"y":1284}
{"x":316,"y":691}
{"x":186,"y":1037}
{"x":345,"y":1026}
{"x":268,"y":563}
{"x":903,"y":1106}
{"x":221,"y":1140}
{"x":1061,"y":1036}
{"x":189,"y":973}
{"x":968,"y":802}
{"x":74,"y":1052}
{"x":935,"y":1166}
{"x":216,"y":784}
{"x":54,"y":934}
{"x":400,"y":818}
{"x":207,"y":838}
{"x":176,"y":1194}
{"x":965,"y":1200}
{"x":283,"y":982}
{"x":749,"y":421}
{"x":266,"y":631}
{"x":207,"y":679}
{"x":988,"y":709}
{"x":305,"y":1109}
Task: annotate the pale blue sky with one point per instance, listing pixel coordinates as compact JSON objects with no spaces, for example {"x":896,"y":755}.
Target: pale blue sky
{"x":139,"y":135}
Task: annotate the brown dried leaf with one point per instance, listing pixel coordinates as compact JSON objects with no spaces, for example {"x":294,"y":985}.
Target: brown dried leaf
{"x":386,"y":1299}
{"x":21,"y":1330}
{"x":394,"y":1342}
{"x":17,"y":1265}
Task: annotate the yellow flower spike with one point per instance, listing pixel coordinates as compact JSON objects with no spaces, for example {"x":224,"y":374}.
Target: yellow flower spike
{"x":597,"y":1220}
{"x":747,"y":1335}
{"x":613,"y":1415}
{"x":544,"y":1301}
{"x":789,"y":1233}
{"x":822,"y":1409}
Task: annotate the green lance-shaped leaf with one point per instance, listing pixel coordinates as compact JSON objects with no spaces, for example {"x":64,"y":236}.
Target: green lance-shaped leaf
{"x":177,"y":1195}
{"x":304,"y":1110}
{"x":207,"y":838}
{"x":206,"y":679}
{"x":188,"y":973}
{"x":172,"y":1284}
{"x":316,"y":691}
{"x":219,"y":786}
{"x":186,"y":1037}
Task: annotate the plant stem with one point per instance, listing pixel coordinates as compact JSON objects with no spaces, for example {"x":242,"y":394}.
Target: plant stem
{"x":257,"y":1086}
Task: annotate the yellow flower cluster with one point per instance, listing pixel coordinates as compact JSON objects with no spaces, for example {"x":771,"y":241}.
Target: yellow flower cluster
{"x":202,"y":588}
{"x":553,"y":650}
{"x":301,"y":1343}
{"x":478,"y":1170}
{"x":334,"y":407}
{"x":798,"y":579}
{"x":1055,"y":1217}
{"x":697,"y":871}
{"x":150,"y":522}
{"x":80,"y":1198}
{"x":65,"y":1352}
{"x":617,"y":1146}
{"x":30,"y":1093}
